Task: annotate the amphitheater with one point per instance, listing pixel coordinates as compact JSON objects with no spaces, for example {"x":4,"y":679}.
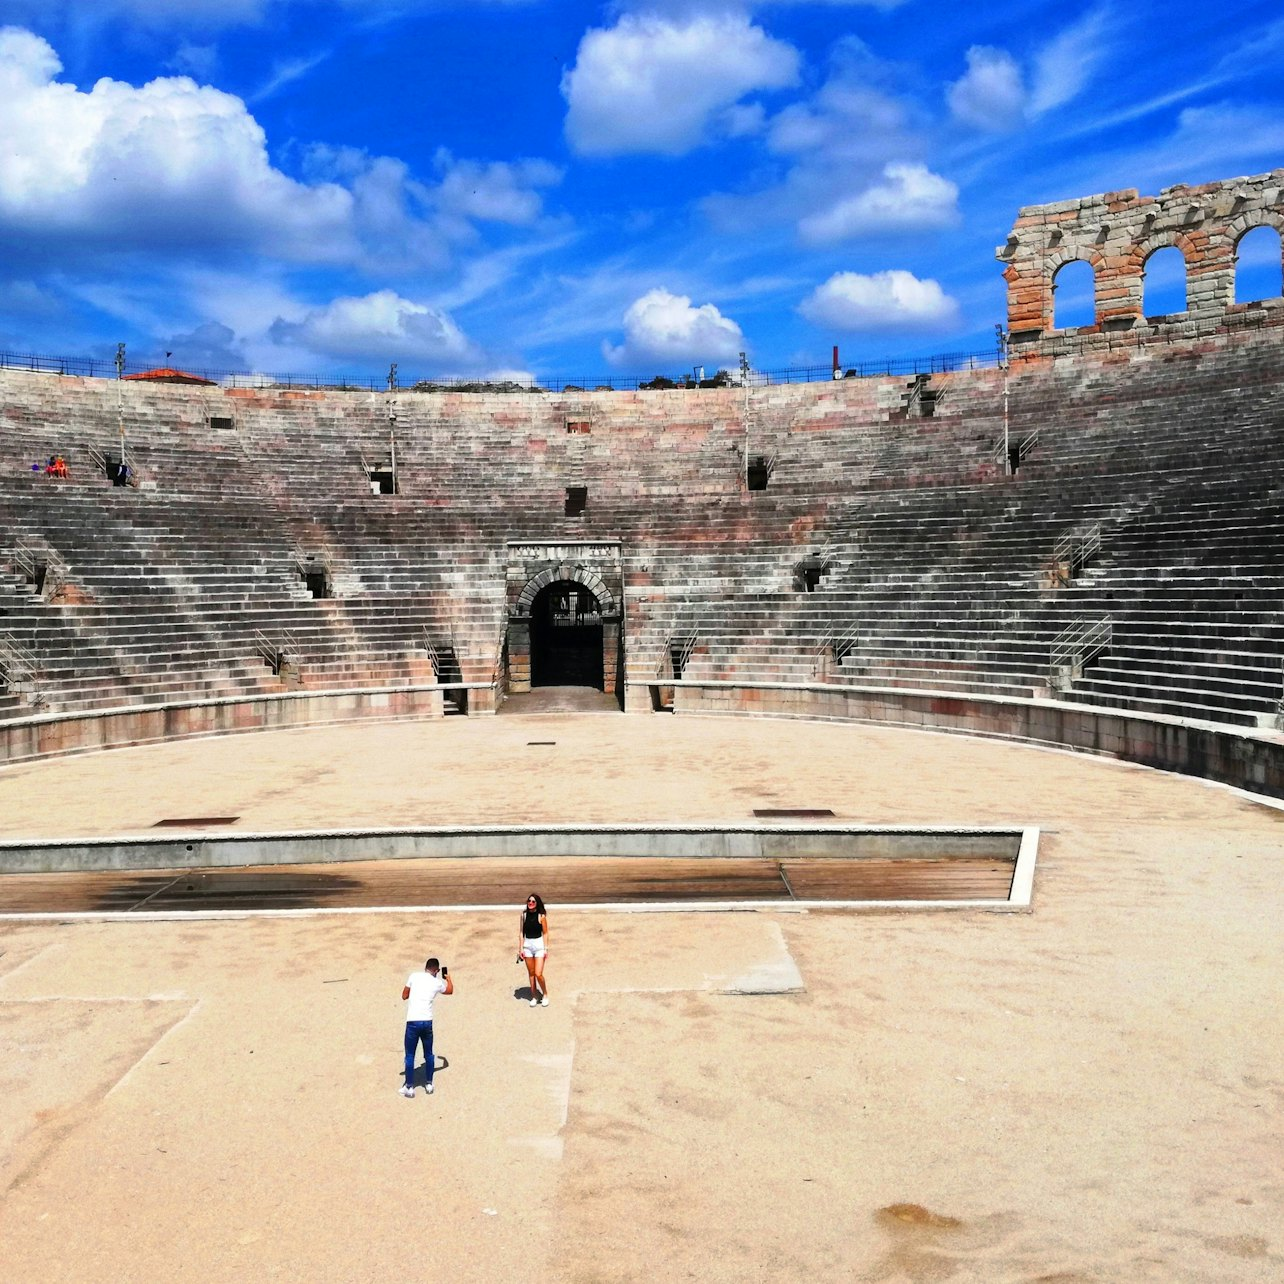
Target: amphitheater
{"x":774,"y":691}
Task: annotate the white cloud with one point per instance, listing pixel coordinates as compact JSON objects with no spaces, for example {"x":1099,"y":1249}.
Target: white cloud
{"x":909,"y":196}
{"x":379,"y":327}
{"x":169,"y":163}
{"x":1062,"y":67}
{"x":494,"y":192}
{"x":991,"y":94}
{"x":197,"y":61}
{"x":850,"y":165}
{"x":894,"y":300}
{"x":658,"y":84}
{"x":285,"y":71}
{"x":665,"y":327}
{"x":996,"y":94}
{"x":172,"y":167}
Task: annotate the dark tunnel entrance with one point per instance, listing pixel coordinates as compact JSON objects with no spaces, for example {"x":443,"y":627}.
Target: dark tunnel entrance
{"x":566,"y":637}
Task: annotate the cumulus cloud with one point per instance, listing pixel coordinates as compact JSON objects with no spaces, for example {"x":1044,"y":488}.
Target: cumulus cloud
{"x":378,"y":327}
{"x":662,"y":84}
{"x":169,"y":163}
{"x":664,"y":327}
{"x":175,"y":167}
{"x":908,"y":196}
{"x":893,"y":300}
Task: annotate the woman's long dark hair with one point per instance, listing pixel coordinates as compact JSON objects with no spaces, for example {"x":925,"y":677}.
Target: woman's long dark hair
{"x":539,"y":903}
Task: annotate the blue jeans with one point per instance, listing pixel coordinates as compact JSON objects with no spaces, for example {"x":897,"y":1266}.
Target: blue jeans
{"x":415,"y":1032}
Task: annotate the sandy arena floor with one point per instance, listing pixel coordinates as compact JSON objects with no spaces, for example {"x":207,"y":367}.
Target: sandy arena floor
{"x":1090,"y":1092}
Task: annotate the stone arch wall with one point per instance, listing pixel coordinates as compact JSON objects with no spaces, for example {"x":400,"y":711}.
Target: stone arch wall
{"x":1240,"y":228}
{"x":590,"y":579}
{"x":1145,"y":250}
{"x":1064,"y":258}
{"x":535,"y":564}
{"x":1117,"y":231}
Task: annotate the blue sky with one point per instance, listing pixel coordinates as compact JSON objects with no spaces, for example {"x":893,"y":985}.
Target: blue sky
{"x":569,"y":189}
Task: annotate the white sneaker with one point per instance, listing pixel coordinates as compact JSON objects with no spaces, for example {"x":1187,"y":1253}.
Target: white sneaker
{"x":534,"y":1003}
{"x":428,"y":1089}
{"x":544,"y":1001}
{"x":408,"y":1091}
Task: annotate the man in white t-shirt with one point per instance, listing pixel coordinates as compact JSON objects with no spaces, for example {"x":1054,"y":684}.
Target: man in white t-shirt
{"x":420,"y":990}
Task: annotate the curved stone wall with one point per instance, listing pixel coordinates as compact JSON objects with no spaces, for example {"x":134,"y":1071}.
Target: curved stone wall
{"x":1116,"y":233}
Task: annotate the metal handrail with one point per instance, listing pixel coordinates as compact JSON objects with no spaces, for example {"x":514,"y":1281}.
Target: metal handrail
{"x":20,"y":665}
{"x":1024,"y":445}
{"x":27,"y":559}
{"x":1078,"y":644}
{"x":938,"y":363}
{"x":1075,"y":549}
{"x":278,"y":651}
{"x":684,"y":644}
{"x":839,"y":645}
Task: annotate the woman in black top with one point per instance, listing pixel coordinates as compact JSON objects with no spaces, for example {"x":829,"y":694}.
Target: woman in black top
{"x":533,"y":947}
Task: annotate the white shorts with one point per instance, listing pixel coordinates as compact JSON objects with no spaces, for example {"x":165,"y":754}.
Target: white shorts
{"x":533,"y":948}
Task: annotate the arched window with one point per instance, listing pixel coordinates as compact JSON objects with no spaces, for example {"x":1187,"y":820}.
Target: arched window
{"x":1074,"y":295}
{"x":1258,"y":272}
{"x":1163,"y":288}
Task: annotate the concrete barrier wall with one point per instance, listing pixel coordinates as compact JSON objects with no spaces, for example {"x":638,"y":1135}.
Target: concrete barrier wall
{"x":52,"y":735}
{"x":775,"y":842}
{"x":1247,"y":759}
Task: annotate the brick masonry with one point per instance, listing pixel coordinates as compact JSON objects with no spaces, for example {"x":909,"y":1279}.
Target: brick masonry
{"x":1116,"y":233}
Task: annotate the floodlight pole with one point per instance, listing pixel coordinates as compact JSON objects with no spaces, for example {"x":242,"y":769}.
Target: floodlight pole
{"x":392,"y":425}
{"x":120,"y":400}
{"x":1002,"y":340}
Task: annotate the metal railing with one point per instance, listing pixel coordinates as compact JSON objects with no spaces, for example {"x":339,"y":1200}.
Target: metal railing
{"x":41,"y":567}
{"x":279,"y":652}
{"x":18,"y":666}
{"x":837,"y":645}
{"x":1022,"y":445}
{"x":677,"y":652}
{"x":1074,"y":550}
{"x":105,"y":368}
{"x":1076,"y":646}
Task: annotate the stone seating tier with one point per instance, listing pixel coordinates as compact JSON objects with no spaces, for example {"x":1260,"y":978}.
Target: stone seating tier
{"x":937,"y":564}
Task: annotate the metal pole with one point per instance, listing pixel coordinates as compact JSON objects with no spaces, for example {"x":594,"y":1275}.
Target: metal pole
{"x":1003,"y":365}
{"x":392,"y":425}
{"x":120,"y":400}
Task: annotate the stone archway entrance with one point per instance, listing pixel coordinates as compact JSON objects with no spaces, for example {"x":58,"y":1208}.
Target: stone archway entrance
{"x":565,"y":616}
{"x":566,"y":637}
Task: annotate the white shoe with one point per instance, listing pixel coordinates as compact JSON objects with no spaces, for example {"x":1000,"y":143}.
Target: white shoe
{"x":534,"y":1003}
{"x":408,"y":1091}
{"x":544,"y":1001}
{"x":428,"y":1089}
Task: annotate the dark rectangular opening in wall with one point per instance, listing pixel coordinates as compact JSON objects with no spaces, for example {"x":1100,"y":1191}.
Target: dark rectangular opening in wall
{"x":576,"y":500}
{"x":222,"y":423}
{"x":114,"y":469}
{"x":383,"y":481}
{"x":812,"y":575}
{"x":318,"y":582}
{"x":758,"y":472}
{"x":582,"y":427}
